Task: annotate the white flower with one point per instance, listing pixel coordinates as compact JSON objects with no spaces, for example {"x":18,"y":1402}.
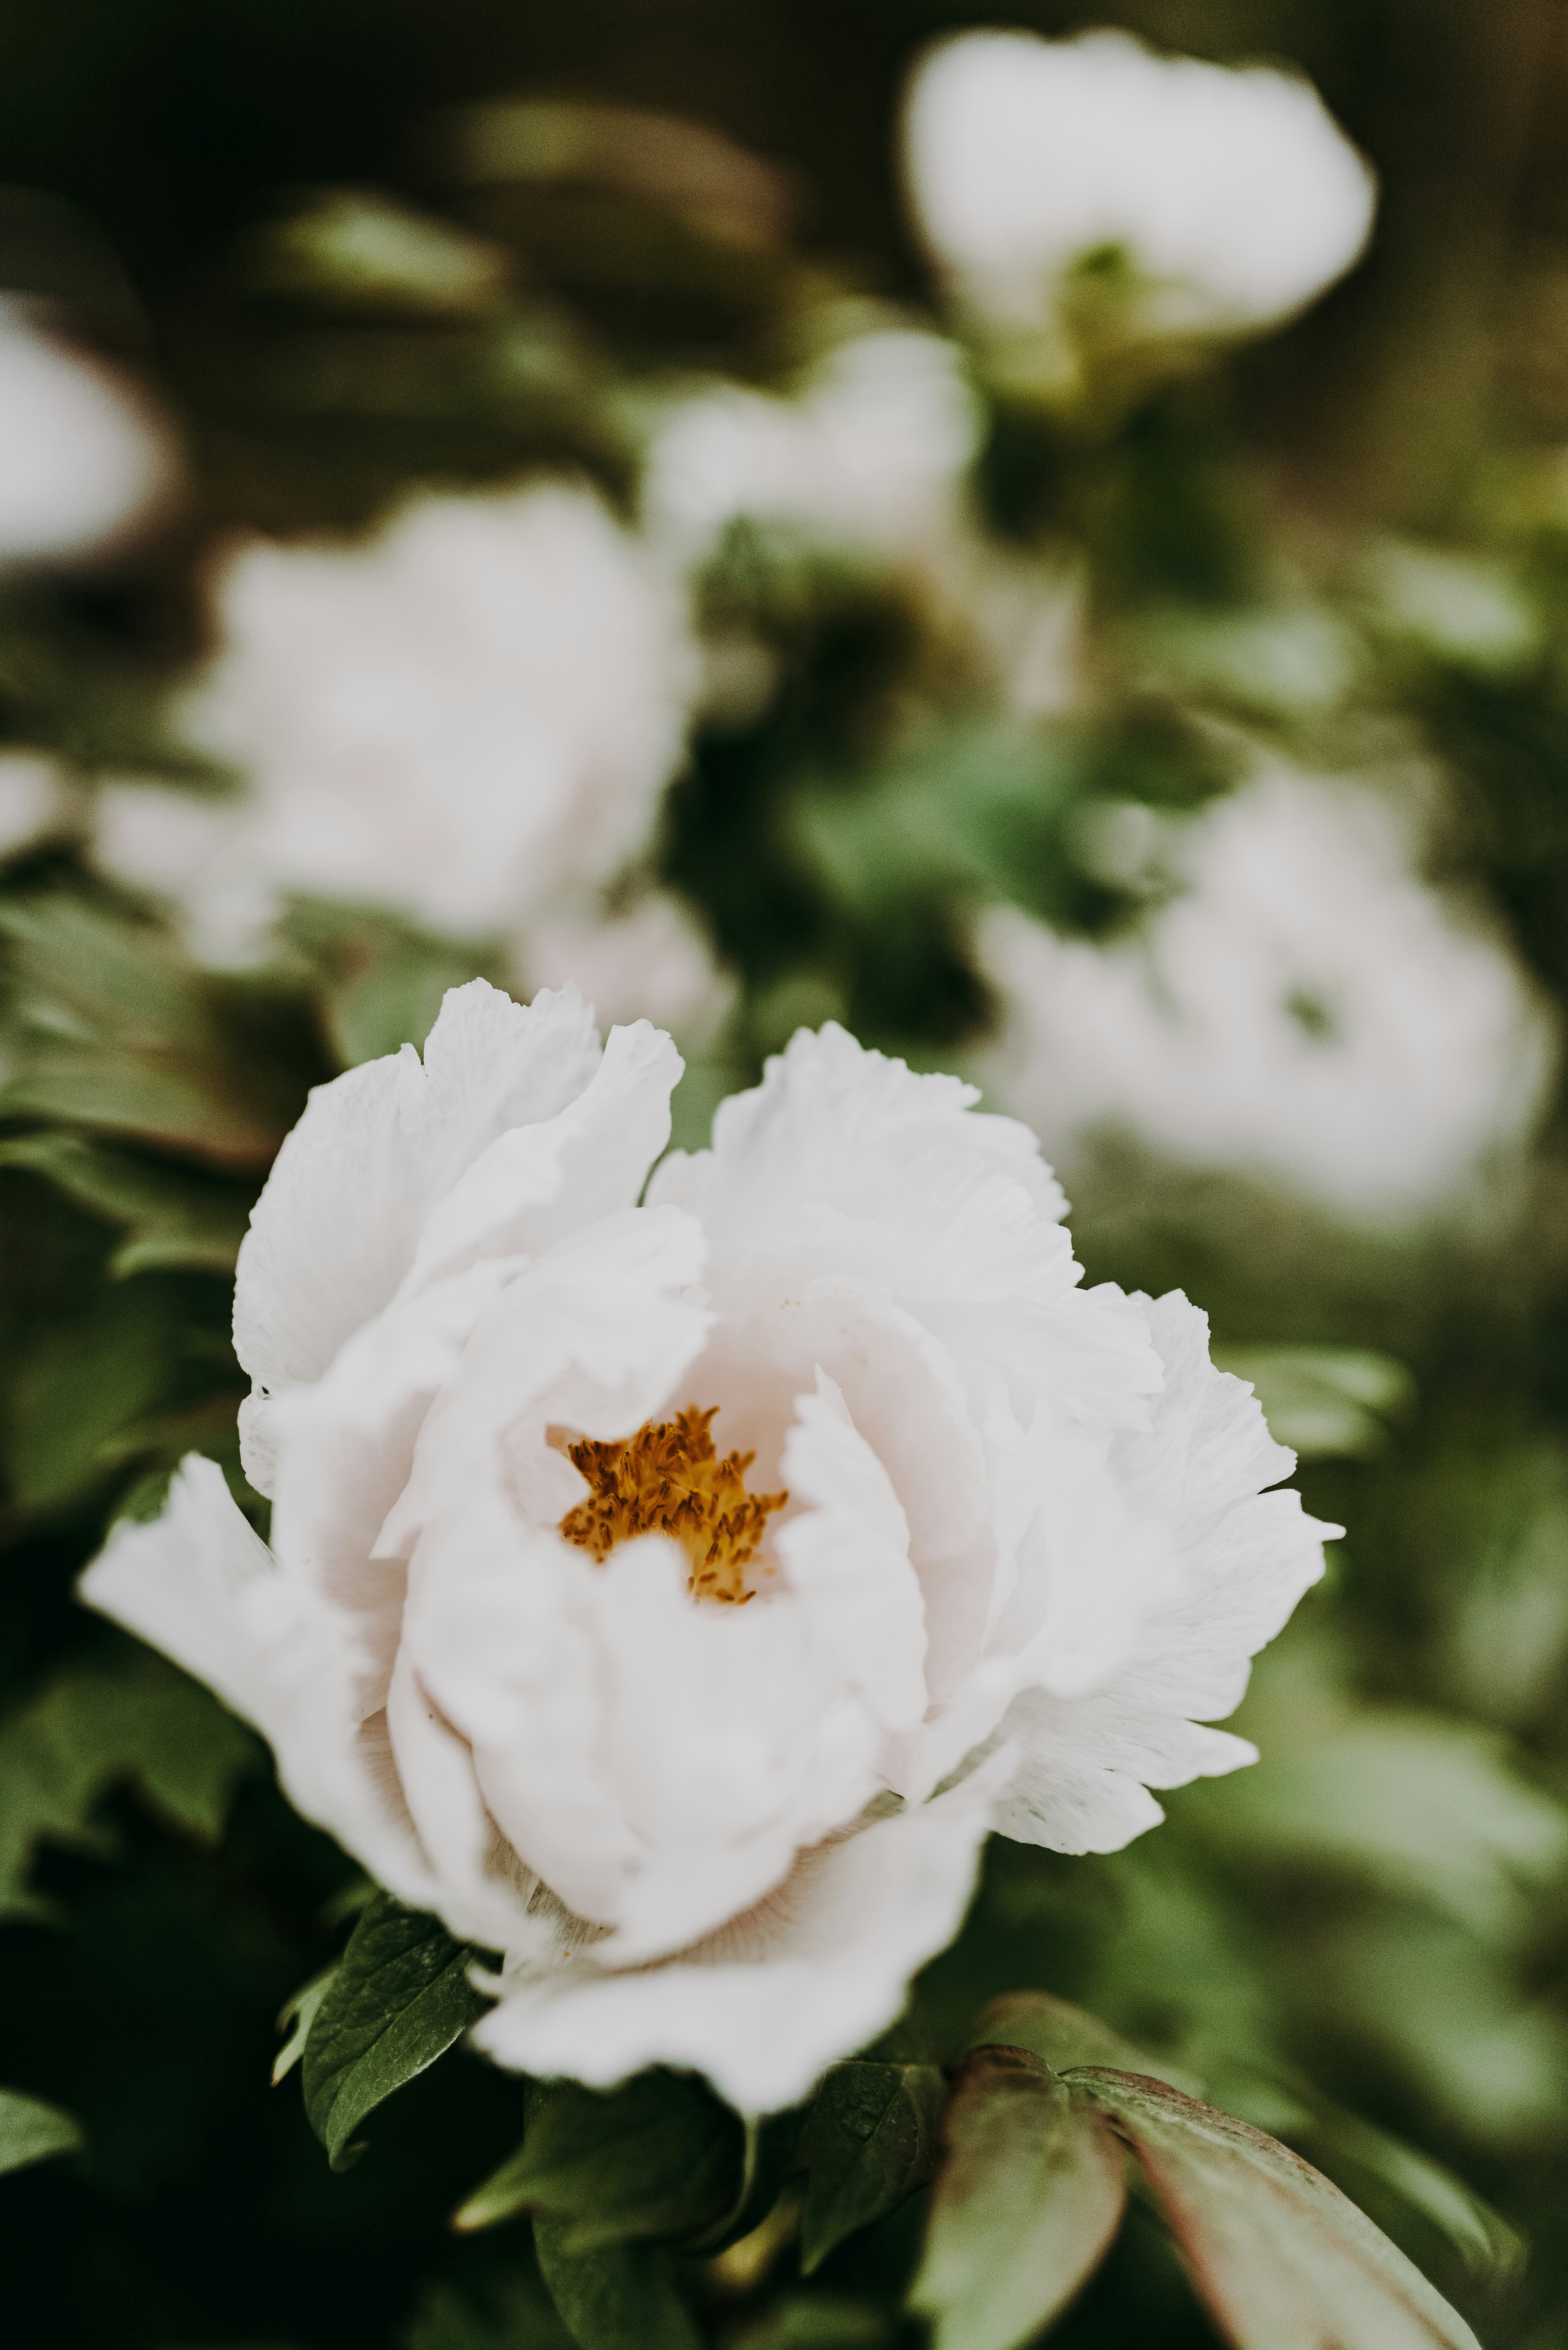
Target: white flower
{"x":467,"y":718}
{"x":690,"y":1736}
{"x":1308,"y":1010}
{"x":869,"y":454}
{"x":651,"y":961}
{"x":1232,"y":195}
{"x":85,"y":458}
{"x":35,"y":802}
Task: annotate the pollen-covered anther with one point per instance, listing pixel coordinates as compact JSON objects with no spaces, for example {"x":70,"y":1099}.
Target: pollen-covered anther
{"x":668,"y":1479}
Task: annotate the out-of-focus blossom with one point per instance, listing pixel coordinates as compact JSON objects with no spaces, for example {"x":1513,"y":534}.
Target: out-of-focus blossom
{"x":1224,"y":200}
{"x":467,"y":718}
{"x":1309,"y":1011}
{"x":709,"y":1762}
{"x":651,"y":961}
{"x":35,"y":802}
{"x":85,"y":459}
{"x":868,"y":455}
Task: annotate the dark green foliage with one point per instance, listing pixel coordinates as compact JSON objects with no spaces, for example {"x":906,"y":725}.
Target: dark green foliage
{"x":659,"y":2157}
{"x":872,"y":2136}
{"x":617,"y":2296}
{"x":400,"y":1998}
{"x":31,"y":2131}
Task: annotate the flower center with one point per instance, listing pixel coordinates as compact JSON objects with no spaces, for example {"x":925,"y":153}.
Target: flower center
{"x":668,"y":1479}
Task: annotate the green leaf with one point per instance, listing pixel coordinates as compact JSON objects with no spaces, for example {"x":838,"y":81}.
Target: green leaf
{"x":1325,"y":1402}
{"x":873,"y":2136}
{"x":31,"y":2131}
{"x":76,"y":1380}
{"x":658,"y":2156}
{"x":822,"y":2321}
{"x":94,"y":1726}
{"x":1283,"y":2260}
{"x":512,"y":2313}
{"x":297,"y":2017}
{"x":1060,"y":2035}
{"x":1404,"y":1803}
{"x":174,"y":1216}
{"x":108,"y":1027}
{"x":1030,"y":2194}
{"x":618,"y":2296}
{"x":398,"y":2000}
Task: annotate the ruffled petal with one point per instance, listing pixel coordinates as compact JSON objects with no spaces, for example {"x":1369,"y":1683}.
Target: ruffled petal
{"x":337,"y":1228}
{"x":811,"y":1973}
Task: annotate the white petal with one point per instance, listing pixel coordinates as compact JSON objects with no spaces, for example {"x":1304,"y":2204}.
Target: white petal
{"x":847,"y":1559}
{"x":828,"y":1125}
{"x":812,"y":1974}
{"x":337,"y":1227}
{"x":199,"y":1584}
{"x":536,"y":1183}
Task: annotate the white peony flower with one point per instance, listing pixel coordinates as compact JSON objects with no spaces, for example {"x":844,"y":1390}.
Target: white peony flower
{"x":85,"y":457}
{"x":1231,"y":196}
{"x":647,"y":1579}
{"x":467,"y":718}
{"x":1309,"y":1010}
{"x":35,"y":802}
{"x":652,"y":960}
{"x":870,"y":453}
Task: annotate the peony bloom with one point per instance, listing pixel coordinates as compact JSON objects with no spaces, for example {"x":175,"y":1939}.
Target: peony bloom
{"x":85,"y":458}
{"x":1228,"y":198}
{"x":669,"y":1589}
{"x":467,"y":718}
{"x":1309,"y":1011}
{"x":871,"y":453}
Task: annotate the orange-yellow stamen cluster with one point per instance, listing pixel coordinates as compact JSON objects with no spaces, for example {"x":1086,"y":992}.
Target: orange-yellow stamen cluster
{"x":668,"y":1479}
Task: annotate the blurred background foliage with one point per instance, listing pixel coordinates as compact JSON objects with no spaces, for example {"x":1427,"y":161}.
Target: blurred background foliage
{"x":360,"y":249}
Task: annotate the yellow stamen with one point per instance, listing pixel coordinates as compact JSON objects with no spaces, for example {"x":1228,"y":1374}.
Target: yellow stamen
{"x":668,"y":1479}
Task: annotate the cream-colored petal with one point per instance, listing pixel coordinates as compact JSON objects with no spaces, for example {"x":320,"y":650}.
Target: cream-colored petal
{"x":813,"y":1973}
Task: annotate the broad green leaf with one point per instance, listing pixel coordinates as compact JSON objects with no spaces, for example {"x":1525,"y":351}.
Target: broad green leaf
{"x":658,"y":2156}
{"x":822,"y":2321}
{"x":872,"y":2136}
{"x":297,"y":2017}
{"x":95,"y":1726}
{"x":1030,"y":2194}
{"x":74,"y":1382}
{"x":398,"y":2000}
{"x":510,"y":2313}
{"x":1059,"y":2034}
{"x":1409,"y":1803}
{"x":31,"y":2131}
{"x":173,"y":1216}
{"x":615,"y":2297}
{"x":108,"y":1027}
{"x":1281,"y":2257}
{"x":1325,"y":1402}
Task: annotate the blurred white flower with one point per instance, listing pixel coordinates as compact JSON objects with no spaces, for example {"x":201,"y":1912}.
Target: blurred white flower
{"x":35,"y":803}
{"x":656,"y":1703}
{"x":1309,"y":1011}
{"x":466,"y":719}
{"x":869,"y":454}
{"x":85,"y":457}
{"x":1230,"y":197}
{"x":651,"y":961}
